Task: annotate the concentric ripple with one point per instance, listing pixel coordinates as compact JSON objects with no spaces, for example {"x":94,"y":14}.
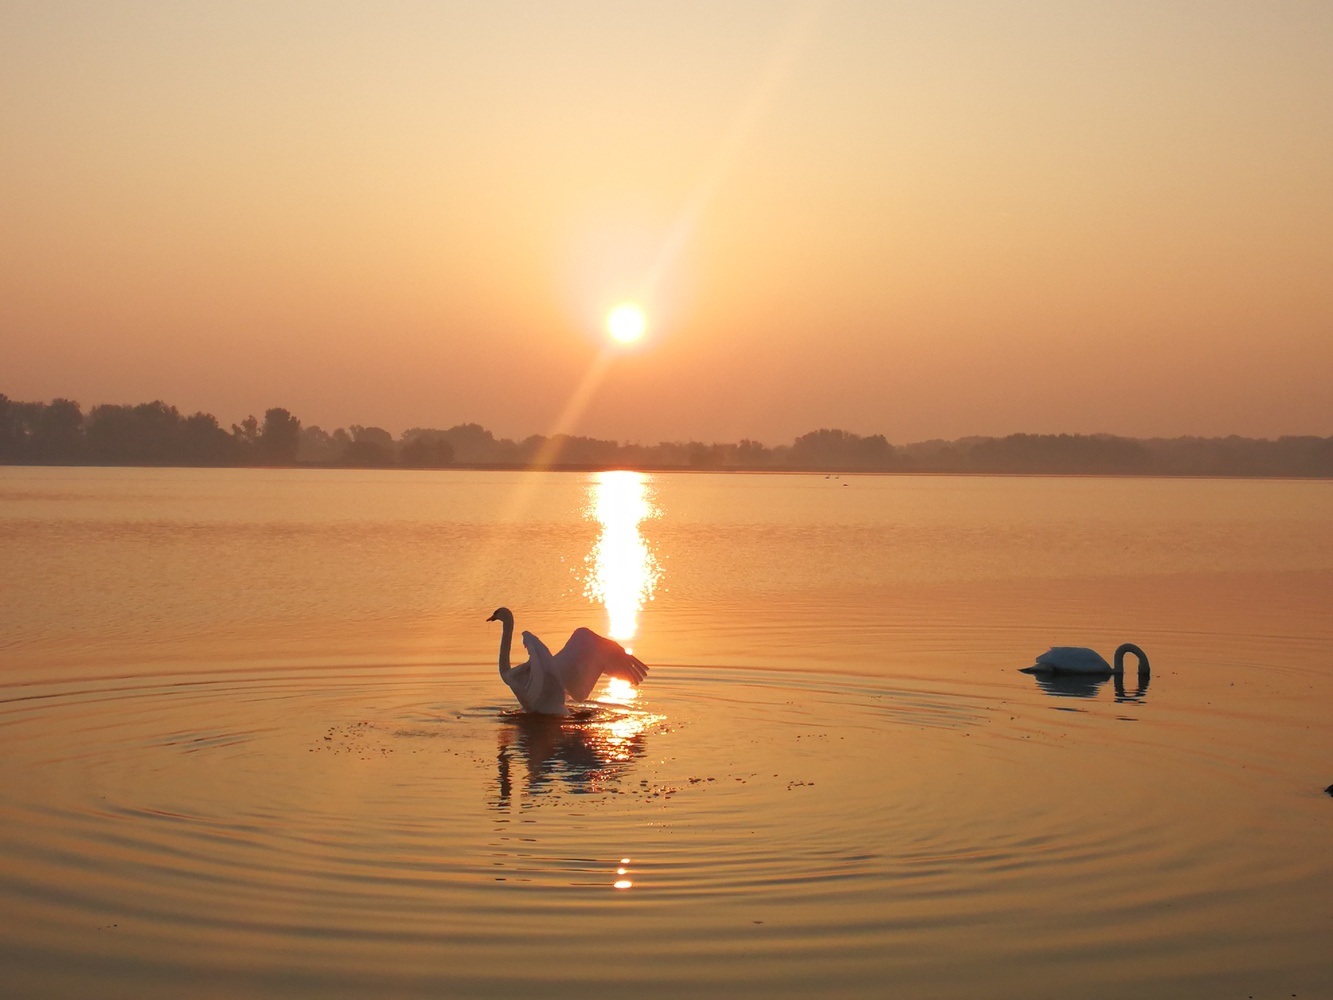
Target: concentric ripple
{"x":317,"y":830}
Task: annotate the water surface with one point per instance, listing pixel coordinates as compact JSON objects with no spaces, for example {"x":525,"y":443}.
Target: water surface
{"x":255,"y":743}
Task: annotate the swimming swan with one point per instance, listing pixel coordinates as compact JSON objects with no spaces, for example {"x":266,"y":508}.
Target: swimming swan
{"x":1080,"y":660}
{"x":542,"y":682}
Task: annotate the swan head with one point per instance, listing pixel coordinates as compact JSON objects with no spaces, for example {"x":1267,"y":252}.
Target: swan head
{"x":503,"y":615}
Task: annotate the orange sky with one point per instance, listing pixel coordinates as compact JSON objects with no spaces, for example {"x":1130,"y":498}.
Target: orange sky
{"x":919,"y":220}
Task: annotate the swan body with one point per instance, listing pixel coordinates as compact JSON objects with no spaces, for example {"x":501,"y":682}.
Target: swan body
{"x":543,"y":682}
{"x":1081,"y":660}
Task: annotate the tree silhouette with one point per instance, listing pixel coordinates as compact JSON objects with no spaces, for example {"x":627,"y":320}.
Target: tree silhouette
{"x":427,"y":453}
{"x":280,"y":437}
{"x":60,"y":432}
{"x":246,"y":436}
{"x":839,"y":449}
{"x":203,"y":442}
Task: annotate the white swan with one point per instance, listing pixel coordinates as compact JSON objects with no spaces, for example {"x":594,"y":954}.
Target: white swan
{"x":542,"y":682}
{"x":1080,"y":660}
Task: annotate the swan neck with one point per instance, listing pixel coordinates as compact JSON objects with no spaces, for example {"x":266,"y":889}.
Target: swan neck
{"x":506,"y":640}
{"x":1129,"y":647}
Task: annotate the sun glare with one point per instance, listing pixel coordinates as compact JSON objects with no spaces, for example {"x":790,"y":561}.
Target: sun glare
{"x":626,"y":323}
{"x":622,"y":571}
{"x":619,"y":691}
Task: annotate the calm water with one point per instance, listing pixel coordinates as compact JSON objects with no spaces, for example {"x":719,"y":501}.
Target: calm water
{"x":254,"y":743}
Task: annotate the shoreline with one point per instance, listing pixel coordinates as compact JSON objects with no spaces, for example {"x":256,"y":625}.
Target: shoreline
{"x":649,"y":468}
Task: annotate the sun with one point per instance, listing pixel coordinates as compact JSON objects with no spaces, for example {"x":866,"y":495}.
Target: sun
{"x":626,"y":323}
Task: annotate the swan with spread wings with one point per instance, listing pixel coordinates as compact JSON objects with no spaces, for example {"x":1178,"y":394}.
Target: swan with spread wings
{"x":543,"y":682}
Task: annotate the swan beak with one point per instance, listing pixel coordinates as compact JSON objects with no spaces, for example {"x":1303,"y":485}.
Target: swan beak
{"x":492,"y":618}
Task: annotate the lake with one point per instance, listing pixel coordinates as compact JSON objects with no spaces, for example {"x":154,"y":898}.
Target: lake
{"x":255,"y":743}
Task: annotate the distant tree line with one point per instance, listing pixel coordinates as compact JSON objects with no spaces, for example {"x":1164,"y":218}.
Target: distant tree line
{"x":60,"y":433}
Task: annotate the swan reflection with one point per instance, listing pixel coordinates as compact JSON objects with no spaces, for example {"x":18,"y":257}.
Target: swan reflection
{"x":622,"y":570}
{"x":586,"y":752}
{"x":1087,"y":686}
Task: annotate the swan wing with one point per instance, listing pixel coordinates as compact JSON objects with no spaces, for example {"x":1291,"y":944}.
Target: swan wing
{"x":586,"y":656}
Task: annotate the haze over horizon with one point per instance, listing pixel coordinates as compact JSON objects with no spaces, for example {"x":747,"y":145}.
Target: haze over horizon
{"x":967,"y":219}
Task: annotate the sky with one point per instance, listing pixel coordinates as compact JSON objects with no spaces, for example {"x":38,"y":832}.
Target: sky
{"x":920,"y":220}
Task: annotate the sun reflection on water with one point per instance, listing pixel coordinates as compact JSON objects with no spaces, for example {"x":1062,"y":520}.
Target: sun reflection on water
{"x":618,"y":692}
{"x":622,"y":570}
{"x":618,"y":736}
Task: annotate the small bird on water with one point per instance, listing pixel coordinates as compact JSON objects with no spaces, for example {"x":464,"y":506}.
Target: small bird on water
{"x":542,"y":683}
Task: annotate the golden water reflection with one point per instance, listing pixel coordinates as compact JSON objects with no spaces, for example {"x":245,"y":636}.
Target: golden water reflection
{"x":622,"y":572}
{"x":622,"y":871}
{"x":618,"y":691}
{"x":590,"y":751}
